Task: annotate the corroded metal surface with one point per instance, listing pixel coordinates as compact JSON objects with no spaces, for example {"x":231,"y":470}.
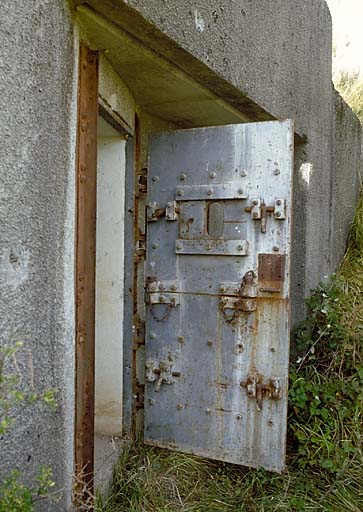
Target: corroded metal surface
{"x":85,"y":269}
{"x":226,"y":338}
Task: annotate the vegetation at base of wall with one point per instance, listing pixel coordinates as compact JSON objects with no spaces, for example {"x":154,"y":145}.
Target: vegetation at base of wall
{"x":15,"y":496}
{"x":325,"y":425}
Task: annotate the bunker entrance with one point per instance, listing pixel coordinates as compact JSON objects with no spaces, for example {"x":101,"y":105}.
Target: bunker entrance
{"x":143,"y":213}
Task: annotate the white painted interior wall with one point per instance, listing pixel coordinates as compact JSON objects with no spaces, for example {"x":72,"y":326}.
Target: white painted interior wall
{"x":109,"y":279}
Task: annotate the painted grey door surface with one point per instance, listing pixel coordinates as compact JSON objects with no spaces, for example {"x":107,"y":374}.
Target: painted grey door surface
{"x":217,"y":292}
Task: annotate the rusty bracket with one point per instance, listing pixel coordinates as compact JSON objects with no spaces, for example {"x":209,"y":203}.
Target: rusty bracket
{"x":154,"y":212}
{"x":259,"y":211}
{"x":162,"y":292}
{"x":257,"y":389}
{"x":161,"y":371}
{"x":239,"y":297}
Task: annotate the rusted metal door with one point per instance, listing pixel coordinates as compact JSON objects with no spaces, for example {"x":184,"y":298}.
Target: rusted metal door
{"x":217,"y":292}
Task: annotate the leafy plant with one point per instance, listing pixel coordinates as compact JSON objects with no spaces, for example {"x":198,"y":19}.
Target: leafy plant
{"x":15,"y":496}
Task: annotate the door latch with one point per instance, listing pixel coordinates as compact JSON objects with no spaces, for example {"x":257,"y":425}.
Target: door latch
{"x":259,"y":211}
{"x":257,"y":389}
{"x":154,"y":212}
{"x":239,"y":297}
{"x":161,"y":371}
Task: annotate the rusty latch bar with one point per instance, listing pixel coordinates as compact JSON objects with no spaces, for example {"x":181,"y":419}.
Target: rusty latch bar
{"x":257,"y":389}
{"x":259,"y":211}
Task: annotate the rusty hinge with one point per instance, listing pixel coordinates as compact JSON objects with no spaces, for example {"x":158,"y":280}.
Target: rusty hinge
{"x":142,"y":181}
{"x":259,"y":211}
{"x":257,"y":389}
{"x":140,"y":248}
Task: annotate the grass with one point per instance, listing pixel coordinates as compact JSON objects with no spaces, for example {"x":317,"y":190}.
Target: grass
{"x":350,"y":87}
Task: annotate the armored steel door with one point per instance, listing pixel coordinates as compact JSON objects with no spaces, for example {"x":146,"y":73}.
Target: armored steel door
{"x":217,"y":292}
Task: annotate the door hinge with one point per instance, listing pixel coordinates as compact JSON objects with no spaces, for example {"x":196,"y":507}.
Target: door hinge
{"x":142,"y":181}
{"x":257,"y":389}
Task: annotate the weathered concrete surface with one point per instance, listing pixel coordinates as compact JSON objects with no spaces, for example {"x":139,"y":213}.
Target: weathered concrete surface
{"x":347,"y":173}
{"x":37,"y":132}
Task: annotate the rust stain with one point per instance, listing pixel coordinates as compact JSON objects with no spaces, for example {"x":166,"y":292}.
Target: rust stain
{"x":85,"y":271}
{"x":271,"y":272}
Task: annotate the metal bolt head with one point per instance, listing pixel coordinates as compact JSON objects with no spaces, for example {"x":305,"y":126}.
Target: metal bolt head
{"x":223,"y":289}
{"x":255,"y":215}
{"x":161,"y":298}
{"x":209,"y":343}
{"x":212,"y":174}
{"x":210,"y":191}
{"x":240,"y":191}
{"x":270,"y":423}
{"x":276,"y":248}
{"x":155,"y":178}
{"x":272,"y":349}
{"x":183,"y":177}
{"x":173,"y":287}
{"x":155,"y":245}
{"x":278,"y":214}
{"x":179,"y":247}
{"x":173,"y":301}
{"x":255,"y":202}
{"x":152,"y":401}
{"x":208,"y":410}
{"x":180,"y":406}
{"x":180,"y":192}
{"x":239,"y":247}
{"x":276,"y":172}
{"x":181,"y":339}
{"x":152,"y":336}
{"x":278,"y":202}
{"x":243,"y":174}
{"x":238,"y":416}
{"x":161,"y":286}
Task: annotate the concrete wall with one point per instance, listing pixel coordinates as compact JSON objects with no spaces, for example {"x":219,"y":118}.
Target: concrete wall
{"x":347,"y":173}
{"x":37,"y":132}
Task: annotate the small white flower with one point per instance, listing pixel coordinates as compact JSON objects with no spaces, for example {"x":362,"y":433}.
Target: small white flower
{"x":316,"y":398}
{"x":299,"y":360}
{"x":328,"y":326}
